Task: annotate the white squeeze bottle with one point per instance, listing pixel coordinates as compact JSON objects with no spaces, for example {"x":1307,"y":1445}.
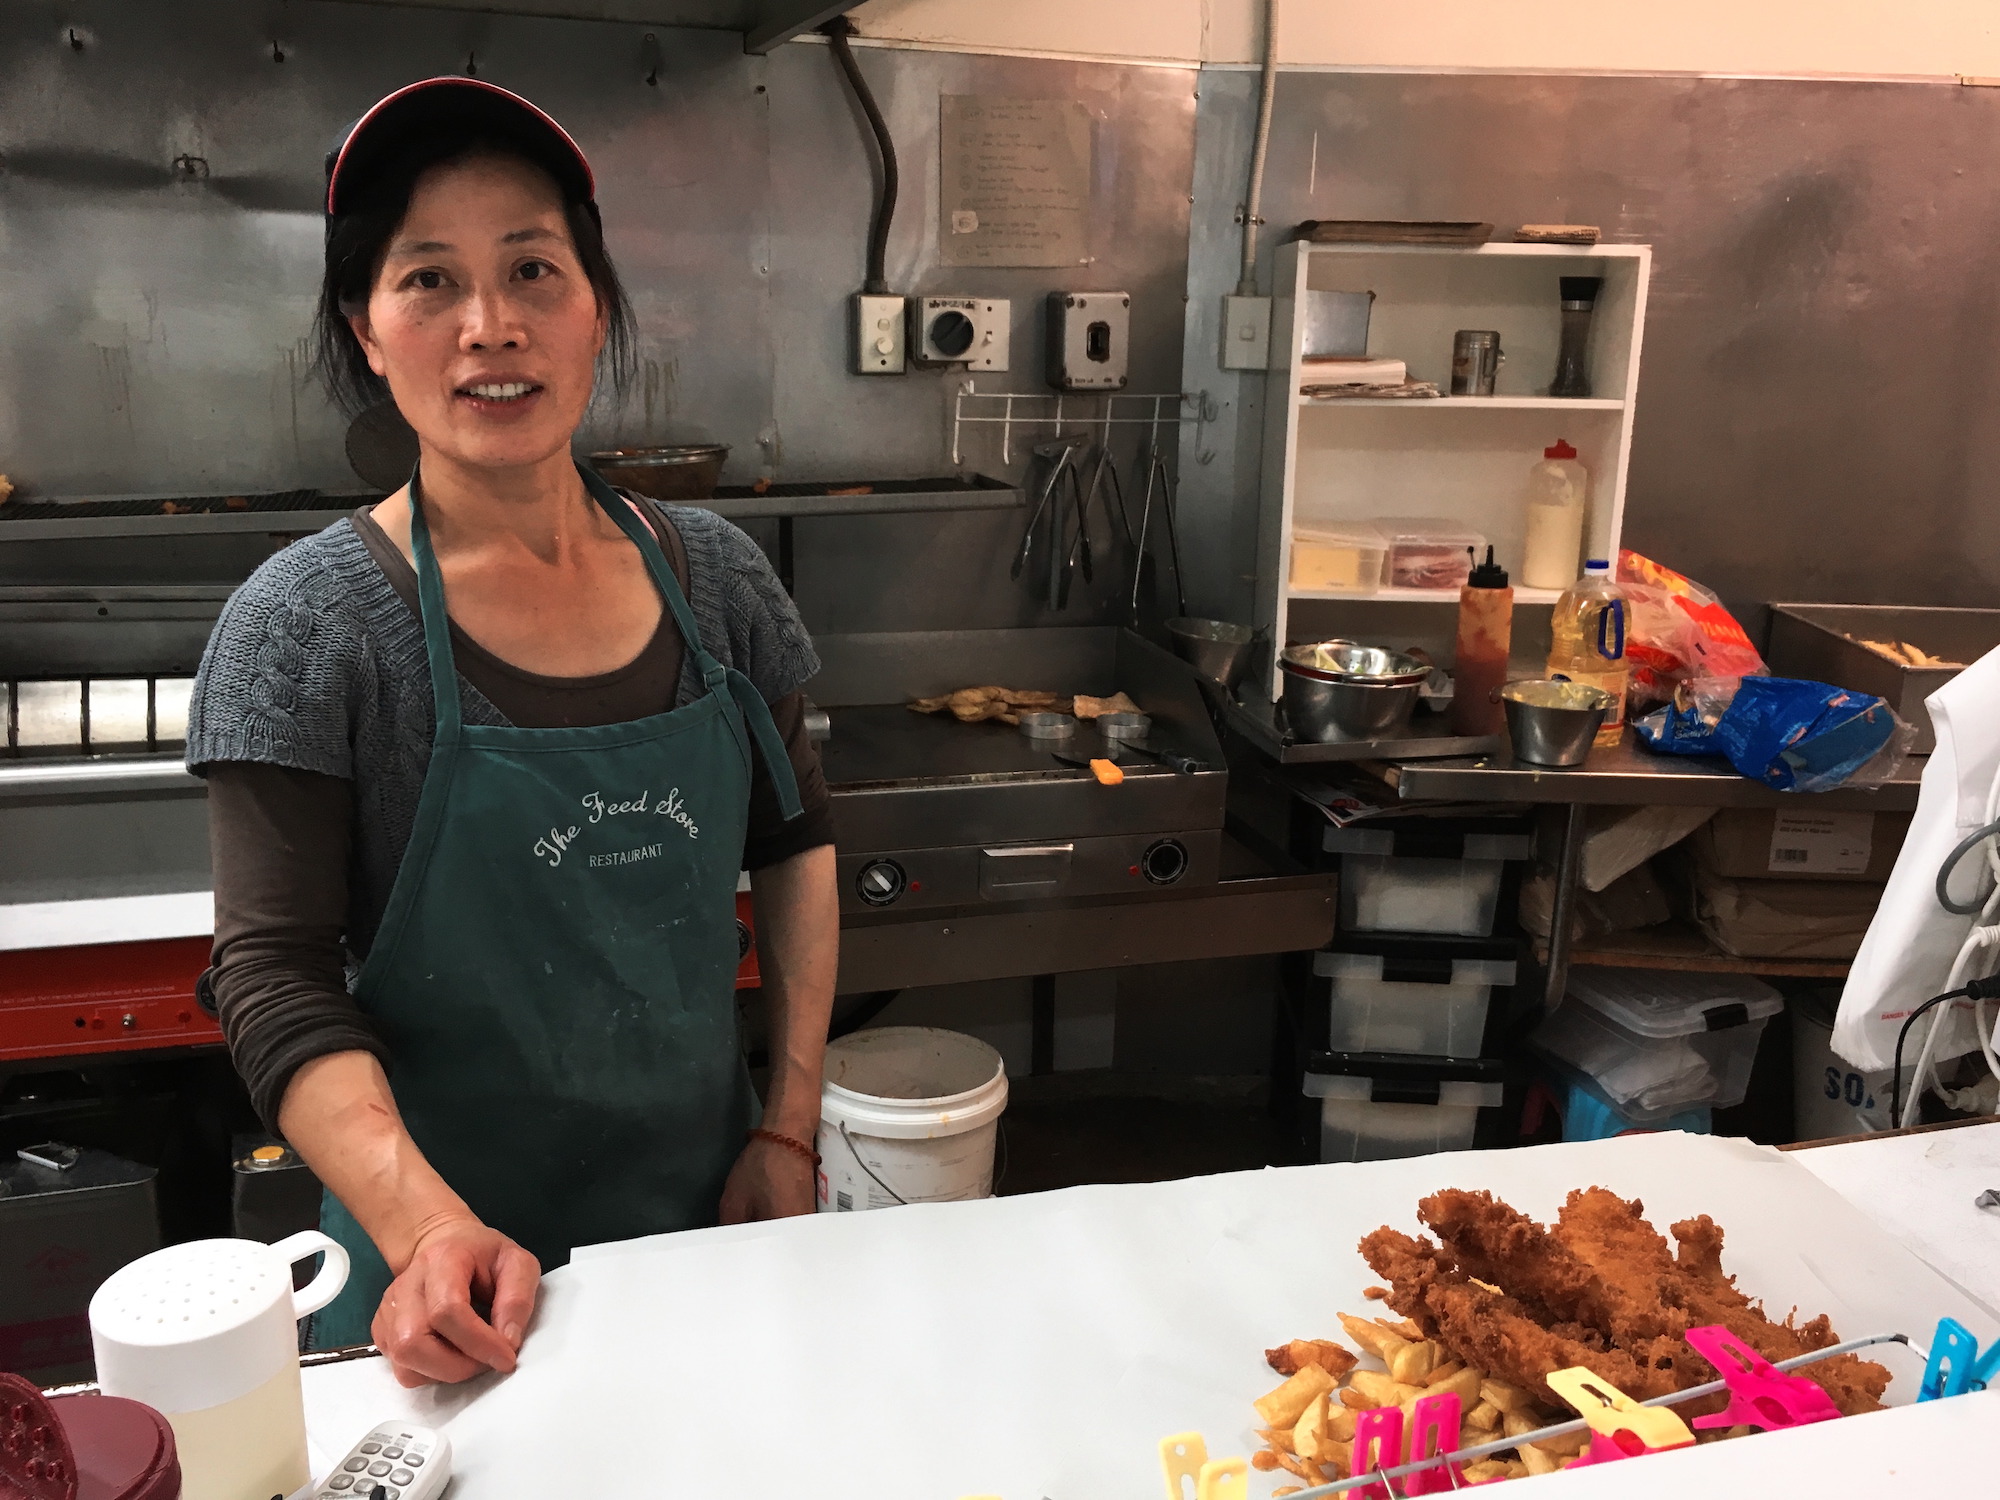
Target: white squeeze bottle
{"x":1557,"y":488}
{"x":1589,"y":634}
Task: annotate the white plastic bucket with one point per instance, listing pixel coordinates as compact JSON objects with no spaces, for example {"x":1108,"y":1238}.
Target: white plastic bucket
{"x":908,"y":1114}
{"x":1830,"y":1096}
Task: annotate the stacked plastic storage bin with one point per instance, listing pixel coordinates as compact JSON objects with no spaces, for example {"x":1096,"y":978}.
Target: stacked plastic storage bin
{"x":1413,"y":974}
{"x":1639,"y":1049}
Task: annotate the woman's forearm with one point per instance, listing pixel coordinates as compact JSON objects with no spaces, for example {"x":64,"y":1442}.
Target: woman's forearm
{"x":798,"y":951}
{"x":339,"y":1114}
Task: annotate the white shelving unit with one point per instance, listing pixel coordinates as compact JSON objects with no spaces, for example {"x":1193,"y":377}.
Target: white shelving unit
{"x":1463,"y":458}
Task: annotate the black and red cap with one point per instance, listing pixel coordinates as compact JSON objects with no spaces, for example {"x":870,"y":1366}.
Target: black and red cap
{"x":459,"y":105}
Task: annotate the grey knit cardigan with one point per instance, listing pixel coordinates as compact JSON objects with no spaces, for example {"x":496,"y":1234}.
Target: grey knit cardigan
{"x":317,"y":664}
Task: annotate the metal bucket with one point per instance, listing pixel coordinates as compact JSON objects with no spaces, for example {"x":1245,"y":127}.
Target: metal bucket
{"x":1553,"y":723}
{"x":1215,"y":648}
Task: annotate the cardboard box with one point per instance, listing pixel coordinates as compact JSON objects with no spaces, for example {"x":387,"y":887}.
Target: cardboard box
{"x":1803,"y":844}
{"x":1762,"y":918}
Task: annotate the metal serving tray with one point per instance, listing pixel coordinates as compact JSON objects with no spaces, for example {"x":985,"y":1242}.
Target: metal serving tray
{"x":1822,"y":643}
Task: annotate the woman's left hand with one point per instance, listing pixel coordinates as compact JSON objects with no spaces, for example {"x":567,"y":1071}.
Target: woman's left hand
{"x":769,"y":1181}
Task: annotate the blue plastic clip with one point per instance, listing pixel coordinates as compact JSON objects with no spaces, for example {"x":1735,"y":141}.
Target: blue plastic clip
{"x":1956,"y":1365}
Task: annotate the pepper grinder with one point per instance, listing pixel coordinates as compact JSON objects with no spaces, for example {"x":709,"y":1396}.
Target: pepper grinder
{"x":1579,"y":301}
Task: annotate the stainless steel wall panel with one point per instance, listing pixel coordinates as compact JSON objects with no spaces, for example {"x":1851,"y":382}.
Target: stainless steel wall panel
{"x":154,"y":317}
{"x":1816,"y":416}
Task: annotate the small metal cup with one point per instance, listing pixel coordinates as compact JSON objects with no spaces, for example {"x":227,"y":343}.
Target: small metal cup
{"x":1124,"y":726}
{"x":1476,"y":358}
{"x":1046,"y":726}
{"x":1553,"y":723}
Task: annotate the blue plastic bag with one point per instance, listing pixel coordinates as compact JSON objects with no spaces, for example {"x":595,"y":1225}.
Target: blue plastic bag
{"x":1792,"y":735}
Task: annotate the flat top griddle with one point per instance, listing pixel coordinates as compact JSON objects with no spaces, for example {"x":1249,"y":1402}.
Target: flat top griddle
{"x":888,"y":745}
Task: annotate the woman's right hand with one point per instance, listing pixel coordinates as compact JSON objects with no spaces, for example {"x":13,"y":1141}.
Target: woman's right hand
{"x":429,"y":1324}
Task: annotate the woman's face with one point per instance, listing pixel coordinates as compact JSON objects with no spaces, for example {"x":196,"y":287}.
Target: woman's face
{"x":481,"y":318}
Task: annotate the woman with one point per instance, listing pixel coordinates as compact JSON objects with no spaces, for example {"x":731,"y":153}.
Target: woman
{"x":504,"y":740}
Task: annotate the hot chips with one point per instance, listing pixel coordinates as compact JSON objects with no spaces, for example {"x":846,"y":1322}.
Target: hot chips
{"x":1310,"y":1420}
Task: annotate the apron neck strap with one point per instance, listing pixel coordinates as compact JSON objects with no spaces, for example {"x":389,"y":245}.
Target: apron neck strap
{"x":437,"y":621}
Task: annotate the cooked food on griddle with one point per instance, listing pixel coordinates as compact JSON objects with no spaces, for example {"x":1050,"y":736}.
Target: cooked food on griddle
{"x":973,"y":704}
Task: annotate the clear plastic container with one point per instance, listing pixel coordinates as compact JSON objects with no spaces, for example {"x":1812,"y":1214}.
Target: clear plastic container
{"x":1363,"y":1118}
{"x":1381,"y":891}
{"x":1337,"y":557}
{"x":1656,"y":1043}
{"x":1435,"y":1007}
{"x":1426,"y":553}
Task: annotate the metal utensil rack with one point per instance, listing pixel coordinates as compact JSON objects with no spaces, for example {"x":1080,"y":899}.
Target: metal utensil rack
{"x":1037,"y":411}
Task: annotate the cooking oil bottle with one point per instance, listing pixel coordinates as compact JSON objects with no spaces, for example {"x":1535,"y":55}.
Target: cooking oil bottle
{"x":1589,"y":636}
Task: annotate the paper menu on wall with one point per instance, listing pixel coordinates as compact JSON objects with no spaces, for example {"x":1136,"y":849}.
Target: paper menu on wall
{"x":1013,"y":181}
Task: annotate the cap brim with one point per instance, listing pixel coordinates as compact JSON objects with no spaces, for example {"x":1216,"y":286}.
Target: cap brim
{"x":453,"y":102}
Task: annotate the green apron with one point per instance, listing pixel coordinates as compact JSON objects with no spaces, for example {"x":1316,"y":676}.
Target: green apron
{"x":555,"y":971}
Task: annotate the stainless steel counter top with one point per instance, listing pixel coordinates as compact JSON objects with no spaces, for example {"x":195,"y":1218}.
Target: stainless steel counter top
{"x":1631,"y":776}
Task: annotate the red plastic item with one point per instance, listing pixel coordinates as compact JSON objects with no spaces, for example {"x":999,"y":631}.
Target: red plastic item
{"x":83,"y":1447}
{"x":35,"y":1458}
{"x":1760,"y":1394}
{"x":124,"y":1449}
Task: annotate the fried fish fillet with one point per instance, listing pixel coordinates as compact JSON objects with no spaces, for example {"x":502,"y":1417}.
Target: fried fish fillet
{"x":1600,"y":1289}
{"x":1494,"y":1331}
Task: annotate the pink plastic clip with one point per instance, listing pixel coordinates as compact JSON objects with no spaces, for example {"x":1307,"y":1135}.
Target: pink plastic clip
{"x":1434,"y":1431}
{"x":1378,"y":1444}
{"x":1760,"y":1394}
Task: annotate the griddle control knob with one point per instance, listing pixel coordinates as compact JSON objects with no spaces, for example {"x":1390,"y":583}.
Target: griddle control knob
{"x":880,"y":882}
{"x":1165,"y":861}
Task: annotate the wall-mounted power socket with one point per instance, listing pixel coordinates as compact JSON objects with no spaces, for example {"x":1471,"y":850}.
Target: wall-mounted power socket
{"x":971,"y":333}
{"x":879,"y":348}
{"x":1246,"y":333}
{"x":1086,"y":340}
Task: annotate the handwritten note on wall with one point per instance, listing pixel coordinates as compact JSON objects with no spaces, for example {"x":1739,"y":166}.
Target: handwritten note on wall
{"x":1013,"y":182}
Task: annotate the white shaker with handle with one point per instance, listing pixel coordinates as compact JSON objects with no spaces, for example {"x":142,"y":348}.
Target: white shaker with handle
{"x":206,"y":1333}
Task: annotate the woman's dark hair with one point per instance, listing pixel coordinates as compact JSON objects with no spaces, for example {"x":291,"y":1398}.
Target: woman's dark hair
{"x":356,"y":242}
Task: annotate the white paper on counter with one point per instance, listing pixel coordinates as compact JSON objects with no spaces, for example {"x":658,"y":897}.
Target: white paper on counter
{"x":1041,"y":1346}
{"x":1919,"y":1189}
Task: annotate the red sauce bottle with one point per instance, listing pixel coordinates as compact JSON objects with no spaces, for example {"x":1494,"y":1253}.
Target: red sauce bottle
{"x":1485,"y":633}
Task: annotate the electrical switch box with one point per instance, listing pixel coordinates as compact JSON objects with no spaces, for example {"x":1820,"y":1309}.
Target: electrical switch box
{"x":1086,"y":342}
{"x":1246,"y":333}
{"x":879,"y":348}
{"x":970,"y":333}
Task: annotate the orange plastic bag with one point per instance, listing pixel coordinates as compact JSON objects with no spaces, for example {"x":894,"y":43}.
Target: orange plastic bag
{"x":1676,"y":629}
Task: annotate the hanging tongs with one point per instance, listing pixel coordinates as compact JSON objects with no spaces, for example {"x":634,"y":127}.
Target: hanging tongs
{"x":1157,"y":478}
{"x":1060,"y":456}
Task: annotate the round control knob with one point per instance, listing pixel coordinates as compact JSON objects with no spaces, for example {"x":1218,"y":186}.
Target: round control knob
{"x":885,"y":345}
{"x":742,"y":940}
{"x":952,"y":334}
{"x":1164,"y":862}
{"x":880,"y":882}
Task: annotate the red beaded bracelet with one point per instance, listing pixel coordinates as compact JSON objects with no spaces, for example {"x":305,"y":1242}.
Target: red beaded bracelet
{"x":796,"y":1147}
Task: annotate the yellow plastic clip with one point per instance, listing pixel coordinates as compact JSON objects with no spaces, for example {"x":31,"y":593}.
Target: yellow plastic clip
{"x":1224,"y":1479}
{"x":1181,"y":1458}
{"x":1615,"y":1416}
